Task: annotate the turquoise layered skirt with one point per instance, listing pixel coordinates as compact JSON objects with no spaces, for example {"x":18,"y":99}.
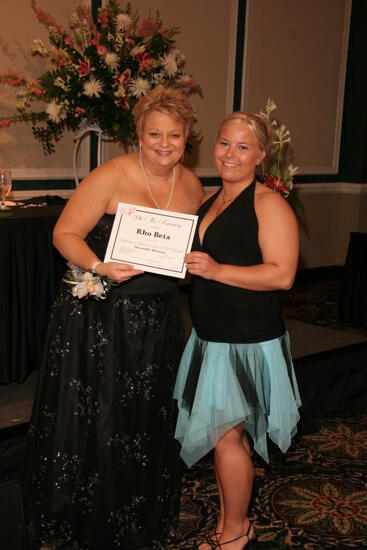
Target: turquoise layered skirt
{"x":220,"y":385}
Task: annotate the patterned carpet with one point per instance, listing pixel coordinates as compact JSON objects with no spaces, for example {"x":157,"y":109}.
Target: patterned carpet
{"x":314,"y":298}
{"x":315,"y":496}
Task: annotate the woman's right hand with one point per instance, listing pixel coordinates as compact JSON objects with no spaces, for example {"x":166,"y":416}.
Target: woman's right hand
{"x":117,"y":272}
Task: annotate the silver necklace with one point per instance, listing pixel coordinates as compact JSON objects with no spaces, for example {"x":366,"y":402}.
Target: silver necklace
{"x":148,"y":187}
{"x":230,"y":199}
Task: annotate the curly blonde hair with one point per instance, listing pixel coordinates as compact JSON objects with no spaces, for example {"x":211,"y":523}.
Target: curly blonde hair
{"x":165,"y":100}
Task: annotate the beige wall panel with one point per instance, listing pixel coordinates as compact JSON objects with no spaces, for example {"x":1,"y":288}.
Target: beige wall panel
{"x":331,"y":213}
{"x":295,"y":53}
{"x":207,"y":39}
{"x":18,"y":149}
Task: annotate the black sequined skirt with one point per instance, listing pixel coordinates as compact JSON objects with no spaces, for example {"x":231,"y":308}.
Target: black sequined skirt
{"x":102,"y":468}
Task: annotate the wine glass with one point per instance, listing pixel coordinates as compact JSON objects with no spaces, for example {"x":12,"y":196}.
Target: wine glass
{"x":5,"y":187}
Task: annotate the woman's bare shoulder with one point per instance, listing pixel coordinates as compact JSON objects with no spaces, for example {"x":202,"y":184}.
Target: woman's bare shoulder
{"x":112,"y":171}
{"x":192,"y":181}
{"x":208,"y":194}
{"x":269,"y":203}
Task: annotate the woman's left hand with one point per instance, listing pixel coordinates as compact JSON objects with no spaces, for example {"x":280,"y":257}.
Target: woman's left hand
{"x":200,"y":263}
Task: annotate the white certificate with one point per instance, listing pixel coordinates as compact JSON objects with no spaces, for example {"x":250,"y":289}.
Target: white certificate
{"x":150,"y":239}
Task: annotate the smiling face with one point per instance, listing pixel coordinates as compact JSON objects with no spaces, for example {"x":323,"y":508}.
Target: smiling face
{"x":162,"y":140}
{"x":236,"y":153}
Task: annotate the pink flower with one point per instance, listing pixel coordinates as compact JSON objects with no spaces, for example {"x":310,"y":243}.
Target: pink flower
{"x":12,"y":79}
{"x":84,"y":15}
{"x":276,"y":184}
{"x":188,"y":82}
{"x":95,"y":41}
{"x":123,"y":78}
{"x":38,"y":91}
{"x":145,"y":61}
{"x":148,"y":27}
{"x":165,"y":33}
{"x":103,"y":19}
{"x":84,"y":67}
{"x":122,"y":102}
{"x":79,"y":111}
{"x":101,"y":50}
{"x":42,"y":16}
{"x":4,"y":123}
{"x":69,"y":41}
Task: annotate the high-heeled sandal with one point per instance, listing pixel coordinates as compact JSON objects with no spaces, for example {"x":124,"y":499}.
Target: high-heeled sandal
{"x":211,"y":539}
{"x":247,"y":545}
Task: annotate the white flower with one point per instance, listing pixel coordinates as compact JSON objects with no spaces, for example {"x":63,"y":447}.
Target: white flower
{"x":120,"y":92}
{"x":283,"y":135}
{"x":270,"y":106}
{"x":89,"y":284}
{"x":111,"y":60}
{"x":93,"y":87}
{"x":185,"y":79}
{"x":54,"y":111}
{"x":169,"y":63}
{"x":137,"y":50}
{"x":123,"y":21}
{"x":158,"y":78}
{"x":139,"y":87}
{"x":292,"y":169}
{"x":61,"y":84}
{"x":39,"y":47}
{"x":20,"y":106}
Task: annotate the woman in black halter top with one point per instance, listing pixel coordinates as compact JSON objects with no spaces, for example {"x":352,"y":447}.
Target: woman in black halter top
{"x":236,"y":373}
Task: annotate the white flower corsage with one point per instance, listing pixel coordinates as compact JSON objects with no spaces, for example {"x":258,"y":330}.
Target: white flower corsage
{"x":85,"y":283}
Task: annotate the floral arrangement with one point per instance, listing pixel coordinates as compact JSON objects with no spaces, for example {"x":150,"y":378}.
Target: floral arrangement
{"x":278,"y":171}
{"x":98,"y":72}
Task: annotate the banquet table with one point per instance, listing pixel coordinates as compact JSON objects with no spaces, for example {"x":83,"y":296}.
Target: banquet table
{"x":30,"y":273}
{"x":353,"y":301}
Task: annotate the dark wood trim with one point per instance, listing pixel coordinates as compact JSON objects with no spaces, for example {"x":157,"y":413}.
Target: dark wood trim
{"x":240,"y":44}
{"x":353,"y":148}
{"x":93,"y":143}
{"x":36,"y":185}
{"x":96,"y":4}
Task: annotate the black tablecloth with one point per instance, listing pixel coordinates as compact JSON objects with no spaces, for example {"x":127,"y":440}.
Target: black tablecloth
{"x":353,"y":303}
{"x":30,"y":272}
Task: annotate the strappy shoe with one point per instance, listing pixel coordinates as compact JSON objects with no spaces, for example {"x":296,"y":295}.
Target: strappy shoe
{"x":211,"y":540}
{"x":219,"y":545}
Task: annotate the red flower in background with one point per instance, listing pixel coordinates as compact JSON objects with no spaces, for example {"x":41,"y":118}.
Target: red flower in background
{"x":276,"y":184}
{"x":145,"y":61}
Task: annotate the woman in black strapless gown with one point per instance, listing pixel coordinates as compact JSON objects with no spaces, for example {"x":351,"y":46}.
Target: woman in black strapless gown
{"x":102,"y":468}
